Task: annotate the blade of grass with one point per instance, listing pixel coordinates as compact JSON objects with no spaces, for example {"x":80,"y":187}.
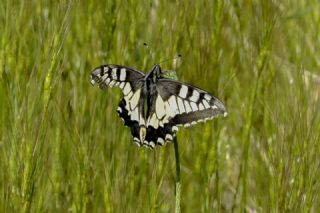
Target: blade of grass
{"x":178,"y":183}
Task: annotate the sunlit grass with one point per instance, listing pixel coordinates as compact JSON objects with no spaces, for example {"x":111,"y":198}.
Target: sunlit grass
{"x":63,"y":147}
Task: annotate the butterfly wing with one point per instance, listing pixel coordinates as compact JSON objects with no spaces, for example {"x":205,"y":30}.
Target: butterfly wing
{"x":180,"y":104}
{"x":185,"y":104}
{"x":116,"y":75}
{"x":130,"y":81}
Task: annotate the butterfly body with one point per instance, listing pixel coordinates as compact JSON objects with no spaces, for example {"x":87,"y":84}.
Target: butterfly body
{"x":153,"y":106}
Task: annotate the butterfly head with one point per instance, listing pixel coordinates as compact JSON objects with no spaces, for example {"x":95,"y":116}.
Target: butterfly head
{"x":155,"y":73}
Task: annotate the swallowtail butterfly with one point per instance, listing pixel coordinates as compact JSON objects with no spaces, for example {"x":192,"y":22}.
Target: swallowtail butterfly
{"x":154,"y":107}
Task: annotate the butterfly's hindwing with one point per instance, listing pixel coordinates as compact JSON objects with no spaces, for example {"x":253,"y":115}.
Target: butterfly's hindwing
{"x":156,"y":135}
{"x":128,"y":121}
{"x":161,"y":135}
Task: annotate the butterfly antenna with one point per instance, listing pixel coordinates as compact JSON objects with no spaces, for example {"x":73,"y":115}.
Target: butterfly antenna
{"x":149,"y":51}
{"x":170,"y":59}
{"x":151,"y":55}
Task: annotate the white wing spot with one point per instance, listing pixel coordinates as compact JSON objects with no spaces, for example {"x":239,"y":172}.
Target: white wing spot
{"x":112,"y":83}
{"x":201,"y":107}
{"x":173,"y":107}
{"x":169,"y":137}
{"x":141,"y":120}
{"x":138,"y":144}
{"x":152,"y":144}
{"x":187,"y":105}
{"x":214,"y":107}
{"x":135,"y":99}
{"x":153,"y":121}
{"x":183,"y":91}
{"x":108,"y":81}
{"x":105,"y":69}
{"x":207,"y":97}
{"x":104,"y":77}
{"x":126,"y":89}
{"x":160,"y":108}
{"x":123,"y":74}
{"x":165,"y":120}
{"x":193,"y":106}
{"x":114,"y":74}
{"x":128,"y":96}
{"x":122,"y":85}
{"x":195,"y":96}
{"x":160,"y":141}
{"x":209,"y":118}
{"x":181,"y":106}
{"x":135,"y":115}
{"x":205,"y":103}
{"x":175,"y":129}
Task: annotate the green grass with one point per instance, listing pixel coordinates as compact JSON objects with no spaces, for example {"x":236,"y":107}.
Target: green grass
{"x":63,"y":147}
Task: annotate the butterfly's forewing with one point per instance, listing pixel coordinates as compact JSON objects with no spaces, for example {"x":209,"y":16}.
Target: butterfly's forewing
{"x":186,"y":105}
{"x":130,"y":81}
{"x":117,"y":75}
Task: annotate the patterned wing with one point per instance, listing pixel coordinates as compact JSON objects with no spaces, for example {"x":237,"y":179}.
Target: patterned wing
{"x":178,"y":104}
{"x":116,"y":75}
{"x":130,"y":81}
{"x":185,"y":104}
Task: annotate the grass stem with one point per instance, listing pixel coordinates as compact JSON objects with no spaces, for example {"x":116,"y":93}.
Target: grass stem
{"x":178,"y":184}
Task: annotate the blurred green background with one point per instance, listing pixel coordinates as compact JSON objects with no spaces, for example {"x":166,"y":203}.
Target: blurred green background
{"x":63,"y":147}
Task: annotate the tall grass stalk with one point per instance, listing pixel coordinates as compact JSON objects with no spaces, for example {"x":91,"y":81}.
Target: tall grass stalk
{"x":178,"y":179}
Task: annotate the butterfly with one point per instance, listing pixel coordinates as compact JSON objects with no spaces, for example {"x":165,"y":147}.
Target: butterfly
{"x":153,"y":106}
